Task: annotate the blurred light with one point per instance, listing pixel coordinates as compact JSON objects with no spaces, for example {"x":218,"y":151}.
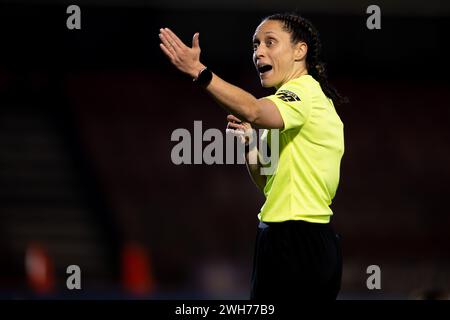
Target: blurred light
{"x":39,"y":269}
{"x":137,"y":277}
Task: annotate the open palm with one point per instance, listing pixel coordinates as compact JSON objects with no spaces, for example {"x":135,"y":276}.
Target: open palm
{"x":184,"y":58}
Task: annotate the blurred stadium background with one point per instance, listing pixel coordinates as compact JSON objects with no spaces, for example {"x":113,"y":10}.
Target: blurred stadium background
{"x":85,"y":171}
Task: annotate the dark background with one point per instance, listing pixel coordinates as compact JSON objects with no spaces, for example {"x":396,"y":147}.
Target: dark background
{"x":86,"y":118}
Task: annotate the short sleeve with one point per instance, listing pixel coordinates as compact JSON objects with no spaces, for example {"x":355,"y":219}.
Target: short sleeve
{"x":293,"y":103}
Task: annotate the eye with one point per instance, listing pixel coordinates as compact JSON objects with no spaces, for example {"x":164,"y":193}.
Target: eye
{"x":269,"y":42}
{"x":255,"y":46}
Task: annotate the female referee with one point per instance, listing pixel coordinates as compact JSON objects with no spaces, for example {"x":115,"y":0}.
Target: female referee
{"x":297,"y":253}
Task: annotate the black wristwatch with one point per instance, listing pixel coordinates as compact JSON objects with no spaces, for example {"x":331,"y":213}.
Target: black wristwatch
{"x":204,"y":77}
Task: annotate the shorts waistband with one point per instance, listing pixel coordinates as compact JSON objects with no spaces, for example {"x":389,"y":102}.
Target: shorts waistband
{"x":264,"y":225}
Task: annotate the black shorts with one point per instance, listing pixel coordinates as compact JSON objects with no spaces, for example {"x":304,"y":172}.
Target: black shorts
{"x":296,"y":260}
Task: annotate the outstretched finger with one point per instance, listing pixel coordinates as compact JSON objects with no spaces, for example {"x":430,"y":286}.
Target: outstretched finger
{"x":177,"y":41}
{"x":232,"y":117}
{"x":233,"y":125}
{"x":166,"y":51}
{"x":167,"y":43}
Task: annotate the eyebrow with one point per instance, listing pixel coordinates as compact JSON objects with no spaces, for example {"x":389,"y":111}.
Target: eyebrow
{"x":264,"y":33}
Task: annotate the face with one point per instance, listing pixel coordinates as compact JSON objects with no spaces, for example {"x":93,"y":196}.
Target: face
{"x":276,"y":58}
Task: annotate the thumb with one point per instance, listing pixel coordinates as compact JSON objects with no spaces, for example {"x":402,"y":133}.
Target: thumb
{"x":195,"y":42}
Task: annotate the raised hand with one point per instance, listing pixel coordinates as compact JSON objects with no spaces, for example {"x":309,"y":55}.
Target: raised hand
{"x":186,"y":59}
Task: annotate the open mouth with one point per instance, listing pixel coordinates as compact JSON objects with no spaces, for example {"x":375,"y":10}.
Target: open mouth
{"x":264,"y":68}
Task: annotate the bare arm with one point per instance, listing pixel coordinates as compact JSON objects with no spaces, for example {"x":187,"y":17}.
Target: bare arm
{"x":252,"y":154}
{"x":259,"y":112}
{"x":255,"y":169}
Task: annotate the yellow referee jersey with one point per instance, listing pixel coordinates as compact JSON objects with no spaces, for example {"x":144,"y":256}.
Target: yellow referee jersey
{"x":311,"y":146}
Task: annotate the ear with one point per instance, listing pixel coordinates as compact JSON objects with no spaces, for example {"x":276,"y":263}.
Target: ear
{"x":300,"y":50}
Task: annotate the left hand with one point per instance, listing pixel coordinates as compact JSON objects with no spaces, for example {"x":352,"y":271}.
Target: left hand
{"x":186,"y":59}
{"x":241,"y":129}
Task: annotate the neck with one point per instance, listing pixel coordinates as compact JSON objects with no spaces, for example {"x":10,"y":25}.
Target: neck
{"x":297,"y":74}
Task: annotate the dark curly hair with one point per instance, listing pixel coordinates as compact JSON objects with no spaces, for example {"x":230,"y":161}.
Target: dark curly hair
{"x":302,"y":29}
